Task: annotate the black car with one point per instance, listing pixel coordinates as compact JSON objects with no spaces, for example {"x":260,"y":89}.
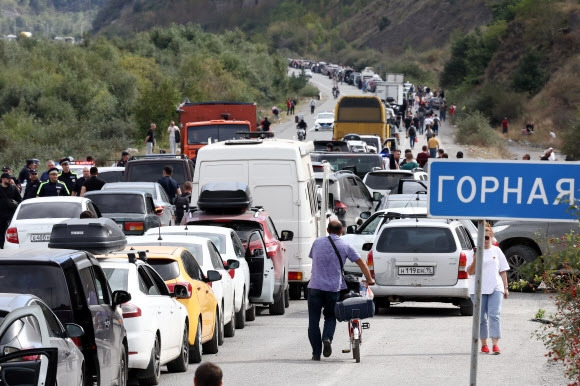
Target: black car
{"x":150,"y":169}
{"x":74,"y":286}
{"x":135,"y":212}
{"x":348,"y":196}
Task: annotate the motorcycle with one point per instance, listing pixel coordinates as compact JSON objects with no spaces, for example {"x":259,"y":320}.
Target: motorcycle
{"x":335,"y":92}
{"x":301,"y":133}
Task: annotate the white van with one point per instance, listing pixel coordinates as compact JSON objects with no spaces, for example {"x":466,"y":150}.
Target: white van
{"x":280,"y":177}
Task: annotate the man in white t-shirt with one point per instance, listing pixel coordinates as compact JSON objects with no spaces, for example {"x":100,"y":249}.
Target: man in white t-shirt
{"x":494,"y":288}
{"x":173,"y":131}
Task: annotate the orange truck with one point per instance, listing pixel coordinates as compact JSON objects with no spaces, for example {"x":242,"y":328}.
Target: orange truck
{"x":215,"y":121}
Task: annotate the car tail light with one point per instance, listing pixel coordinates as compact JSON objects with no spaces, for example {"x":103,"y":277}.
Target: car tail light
{"x":171,"y":287}
{"x":232,"y":273}
{"x":371,"y":264}
{"x":12,"y":235}
{"x":340,"y":207}
{"x":271,"y":249}
{"x":462,"y":273}
{"x":77,"y":341}
{"x":130,"y":310}
{"x":294,"y":275}
{"x":134,"y":226}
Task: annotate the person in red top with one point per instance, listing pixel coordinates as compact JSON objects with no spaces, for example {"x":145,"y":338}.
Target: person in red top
{"x":452,"y":109}
{"x":423,"y":157}
{"x":288,"y":106}
{"x":504,"y":125}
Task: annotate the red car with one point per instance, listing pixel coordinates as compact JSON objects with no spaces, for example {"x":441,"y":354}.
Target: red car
{"x":244,"y":224}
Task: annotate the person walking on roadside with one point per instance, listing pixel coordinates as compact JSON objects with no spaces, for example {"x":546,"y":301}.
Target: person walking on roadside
{"x":288,"y":106}
{"x":169,"y":184}
{"x":52,"y":187}
{"x":49,"y":165}
{"x":412,"y":136}
{"x":407,"y":122}
{"x":504,"y":125}
{"x":328,"y":256}
{"x":410,"y":163}
{"x":442,"y":110}
{"x":452,"y":112}
{"x":32,"y":185}
{"x":173,"y":132}
{"x":124,"y":159}
{"x":80,"y":182}
{"x":9,"y":200}
{"x":182,"y":201}
{"x":67,"y":176}
{"x":208,"y":374}
{"x":312,"y":105}
{"x":394,"y":159}
{"x":31,"y":164}
{"x":423,"y":156}
{"x":150,"y":138}
{"x":93,"y":182}
{"x":433,"y":145}
{"x":294,"y":102}
{"x":265,"y":124}
{"x":494,"y":288}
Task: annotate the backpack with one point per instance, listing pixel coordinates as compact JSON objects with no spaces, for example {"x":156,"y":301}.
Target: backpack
{"x":412,"y":131}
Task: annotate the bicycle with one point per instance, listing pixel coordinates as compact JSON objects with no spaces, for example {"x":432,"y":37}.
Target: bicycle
{"x":355,"y":328}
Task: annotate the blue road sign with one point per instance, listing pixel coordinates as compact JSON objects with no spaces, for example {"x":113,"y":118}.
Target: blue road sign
{"x":498,"y":190}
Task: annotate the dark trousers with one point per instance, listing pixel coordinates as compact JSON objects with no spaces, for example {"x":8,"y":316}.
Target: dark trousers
{"x":317,"y":302}
{"x":4,"y":223}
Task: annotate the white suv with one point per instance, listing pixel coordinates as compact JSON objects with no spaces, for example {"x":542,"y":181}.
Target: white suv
{"x":421,"y":260}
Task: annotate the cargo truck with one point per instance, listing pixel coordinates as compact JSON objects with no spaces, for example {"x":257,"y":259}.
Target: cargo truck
{"x":389,"y":90}
{"x":208,"y":122}
{"x":364,"y":115}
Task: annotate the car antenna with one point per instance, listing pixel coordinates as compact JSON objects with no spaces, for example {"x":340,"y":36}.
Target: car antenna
{"x":159,"y":230}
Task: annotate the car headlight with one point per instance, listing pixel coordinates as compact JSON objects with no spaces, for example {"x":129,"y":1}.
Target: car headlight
{"x":317,"y":124}
{"x":500,"y":228}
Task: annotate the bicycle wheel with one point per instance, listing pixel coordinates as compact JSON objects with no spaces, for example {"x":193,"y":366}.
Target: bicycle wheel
{"x":356,"y":350}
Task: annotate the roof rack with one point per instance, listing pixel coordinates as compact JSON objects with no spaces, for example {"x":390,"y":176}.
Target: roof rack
{"x":132,"y":254}
{"x":159,"y":156}
{"x":256,"y":134}
{"x":255,"y":141}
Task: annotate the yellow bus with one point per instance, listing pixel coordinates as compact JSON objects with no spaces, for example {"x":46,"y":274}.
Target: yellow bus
{"x":364,"y":115}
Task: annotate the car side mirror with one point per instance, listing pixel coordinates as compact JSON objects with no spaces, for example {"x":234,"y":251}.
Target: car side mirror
{"x":232,"y":264}
{"x":120,"y":297}
{"x":212,"y":276}
{"x":286,"y":236}
{"x":377,"y":196}
{"x":351,"y":229}
{"x":74,"y":330}
{"x":365,"y":215}
{"x":367,"y":246}
{"x":180,"y":292}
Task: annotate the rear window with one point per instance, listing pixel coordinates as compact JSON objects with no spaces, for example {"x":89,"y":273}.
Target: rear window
{"x":195,"y":249}
{"x":144,"y":189}
{"x":416,"y":240}
{"x":151,"y":172}
{"x":380,"y":181}
{"x":117,"y":278}
{"x":242,"y":228}
{"x":166,"y":268}
{"x":406,"y":204}
{"x":45,"y":281}
{"x":49,"y":210}
{"x":119,"y":203}
{"x":112,"y":176}
{"x":218,"y":240}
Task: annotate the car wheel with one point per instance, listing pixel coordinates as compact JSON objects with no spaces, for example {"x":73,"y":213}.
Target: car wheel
{"x":241,"y":315}
{"x":251,"y":313}
{"x":466,"y":307}
{"x":287,"y":297}
{"x":180,"y":364}
{"x":195,"y":349}
{"x":154,"y":367}
{"x":211,"y":347}
{"x":221,"y":327}
{"x":517,"y":256}
{"x":295,"y":291}
{"x":277,"y":308}
{"x":230,"y":328}
{"x":123,"y":367}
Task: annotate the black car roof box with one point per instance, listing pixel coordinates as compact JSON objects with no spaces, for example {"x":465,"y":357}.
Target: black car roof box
{"x":222,"y":197}
{"x":95,"y":235}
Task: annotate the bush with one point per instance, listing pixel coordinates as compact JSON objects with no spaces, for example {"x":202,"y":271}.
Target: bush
{"x":474,"y":129}
{"x":529,"y":76}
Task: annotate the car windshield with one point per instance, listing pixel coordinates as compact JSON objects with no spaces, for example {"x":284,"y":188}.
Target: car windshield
{"x":166,"y":268}
{"x":384,"y":181}
{"x":372,"y":141}
{"x":416,"y":240}
{"x":145,"y":189}
{"x":49,"y":210}
{"x":361,"y":164}
{"x":117,"y":278}
{"x":325,"y":116}
{"x":119,"y":203}
{"x":201,"y":134}
{"x":45,"y":281}
{"x":242,"y":228}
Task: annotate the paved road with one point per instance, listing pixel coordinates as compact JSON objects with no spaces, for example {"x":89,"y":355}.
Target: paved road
{"x":409,"y":344}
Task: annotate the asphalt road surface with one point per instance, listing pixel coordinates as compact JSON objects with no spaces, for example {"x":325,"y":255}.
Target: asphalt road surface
{"x":408,"y":344}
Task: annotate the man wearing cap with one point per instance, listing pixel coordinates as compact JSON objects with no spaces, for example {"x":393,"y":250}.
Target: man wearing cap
{"x":9,"y":200}
{"x":124,"y":159}
{"x":68,"y":177}
{"x":93,"y":183}
{"x":49,"y":165}
{"x":52,"y":187}
{"x":24,"y":174}
{"x":32,"y":185}
{"x":80,"y":182}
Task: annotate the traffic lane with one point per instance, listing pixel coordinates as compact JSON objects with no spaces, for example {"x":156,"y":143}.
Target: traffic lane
{"x":410,"y":343}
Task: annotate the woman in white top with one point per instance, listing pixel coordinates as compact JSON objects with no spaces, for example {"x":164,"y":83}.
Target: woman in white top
{"x":173,"y":131}
{"x":494,"y":288}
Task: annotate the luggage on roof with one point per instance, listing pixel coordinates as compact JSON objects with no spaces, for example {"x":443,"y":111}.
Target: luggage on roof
{"x":225,"y":197}
{"x":95,"y":235}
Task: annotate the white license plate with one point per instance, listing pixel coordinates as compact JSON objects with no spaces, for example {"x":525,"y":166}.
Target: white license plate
{"x":40,"y":237}
{"x":415,"y":270}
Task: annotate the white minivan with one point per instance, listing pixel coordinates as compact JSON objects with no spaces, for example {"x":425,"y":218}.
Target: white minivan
{"x":280,"y":177}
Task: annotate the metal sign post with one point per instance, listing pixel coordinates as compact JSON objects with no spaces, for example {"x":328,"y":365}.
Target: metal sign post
{"x":477,"y":306}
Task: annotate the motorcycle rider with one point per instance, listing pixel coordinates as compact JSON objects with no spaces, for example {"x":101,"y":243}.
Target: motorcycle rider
{"x":301,"y":129}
